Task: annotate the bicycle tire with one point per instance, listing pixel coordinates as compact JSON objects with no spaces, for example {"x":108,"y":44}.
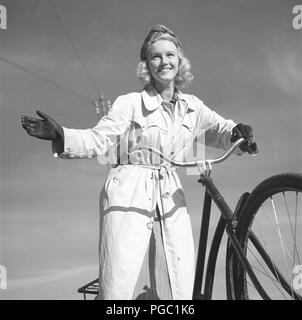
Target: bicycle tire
{"x":275,"y":205}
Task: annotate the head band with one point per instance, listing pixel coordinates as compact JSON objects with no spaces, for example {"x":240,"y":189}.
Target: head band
{"x":158,"y":32}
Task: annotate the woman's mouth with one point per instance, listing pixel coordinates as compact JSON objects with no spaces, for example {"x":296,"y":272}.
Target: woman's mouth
{"x":165,"y":69}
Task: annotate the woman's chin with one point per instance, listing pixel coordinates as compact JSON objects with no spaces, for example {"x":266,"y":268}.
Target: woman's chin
{"x":165,"y":80}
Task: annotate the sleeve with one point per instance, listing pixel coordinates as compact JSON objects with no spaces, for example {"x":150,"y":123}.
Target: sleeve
{"x":88,"y":143}
{"x":215,"y":130}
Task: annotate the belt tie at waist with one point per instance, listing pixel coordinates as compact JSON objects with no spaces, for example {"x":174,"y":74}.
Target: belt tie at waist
{"x":158,"y":172}
{"x":162,"y":169}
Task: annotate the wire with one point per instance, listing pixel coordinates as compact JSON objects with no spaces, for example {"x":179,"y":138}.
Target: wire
{"x":73,"y":46}
{"x":41,"y":77}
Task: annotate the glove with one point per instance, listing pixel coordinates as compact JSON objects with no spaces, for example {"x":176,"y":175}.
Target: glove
{"x":45,"y":128}
{"x":245,"y":131}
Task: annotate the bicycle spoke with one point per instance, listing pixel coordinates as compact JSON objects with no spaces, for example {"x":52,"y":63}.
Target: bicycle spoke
{"x":264,"y":272}
{"x":261,"y":233}
{"x":293,"y":232}
{"x":265,"y":246}
{"x":276,"y":230}
{"x":296,"y":215}
{"x":274,"y":281}
{"x":279,"y":232}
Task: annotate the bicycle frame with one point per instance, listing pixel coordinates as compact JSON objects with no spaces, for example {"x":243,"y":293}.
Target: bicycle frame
{"x":225,"y":223}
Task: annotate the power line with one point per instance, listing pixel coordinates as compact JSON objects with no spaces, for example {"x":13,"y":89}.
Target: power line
{"x":91,"y":79}
{"x":41,"y":77}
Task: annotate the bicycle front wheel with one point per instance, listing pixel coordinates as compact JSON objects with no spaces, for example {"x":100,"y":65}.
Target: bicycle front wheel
{"x":270,"y":232}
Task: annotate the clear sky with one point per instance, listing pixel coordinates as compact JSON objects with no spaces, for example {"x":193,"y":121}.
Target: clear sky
{"x":247,"y":64}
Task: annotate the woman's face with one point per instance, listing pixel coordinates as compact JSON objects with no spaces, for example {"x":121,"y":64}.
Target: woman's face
{"x":163,"y":61}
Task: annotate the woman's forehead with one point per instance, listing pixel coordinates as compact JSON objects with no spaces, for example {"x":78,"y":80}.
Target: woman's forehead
{"x":162,"y":45}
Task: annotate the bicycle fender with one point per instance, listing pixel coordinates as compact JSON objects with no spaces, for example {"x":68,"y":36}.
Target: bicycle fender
{"x":238,"y":210}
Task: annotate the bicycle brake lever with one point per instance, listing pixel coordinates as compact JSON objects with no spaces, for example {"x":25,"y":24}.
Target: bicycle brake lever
{"x":252,"y":146}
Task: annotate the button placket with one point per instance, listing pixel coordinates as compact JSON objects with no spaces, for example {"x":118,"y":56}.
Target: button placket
{"x":154,"y":182}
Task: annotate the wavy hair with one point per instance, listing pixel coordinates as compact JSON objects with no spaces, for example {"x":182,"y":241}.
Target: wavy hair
{"x":183,"y":78}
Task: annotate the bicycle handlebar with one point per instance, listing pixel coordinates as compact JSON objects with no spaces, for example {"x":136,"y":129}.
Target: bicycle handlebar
{"x":197,"y":163}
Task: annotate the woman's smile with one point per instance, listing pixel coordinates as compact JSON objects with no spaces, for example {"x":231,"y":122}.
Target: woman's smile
{"x":164,"y":69}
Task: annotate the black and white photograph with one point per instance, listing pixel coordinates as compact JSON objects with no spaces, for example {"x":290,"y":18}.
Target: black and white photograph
{"x":151,"y":150}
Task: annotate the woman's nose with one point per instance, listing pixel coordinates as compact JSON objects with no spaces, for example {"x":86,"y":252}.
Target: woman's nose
{"x":164,"y":60}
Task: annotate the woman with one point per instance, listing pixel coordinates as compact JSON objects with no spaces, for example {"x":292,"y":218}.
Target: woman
{"x":146,"y":238}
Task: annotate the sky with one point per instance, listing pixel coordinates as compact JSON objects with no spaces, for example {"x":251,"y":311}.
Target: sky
{"x":247,"y":66}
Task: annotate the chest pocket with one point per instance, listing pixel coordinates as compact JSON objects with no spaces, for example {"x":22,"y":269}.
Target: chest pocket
{"x":187,"y":126}
{"x":153,"y":125}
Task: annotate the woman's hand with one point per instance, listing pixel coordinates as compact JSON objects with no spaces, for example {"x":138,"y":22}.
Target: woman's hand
{"x":245,"y":131}
{"x":45,"y":128}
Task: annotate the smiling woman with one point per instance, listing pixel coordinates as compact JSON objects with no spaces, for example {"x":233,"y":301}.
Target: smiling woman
{"x":163,"y":61}
{"x":146,"y":242}
{"x":183,"y":76}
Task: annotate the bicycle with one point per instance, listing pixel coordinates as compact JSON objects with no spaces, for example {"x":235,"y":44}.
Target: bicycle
{"x":255,"y":267}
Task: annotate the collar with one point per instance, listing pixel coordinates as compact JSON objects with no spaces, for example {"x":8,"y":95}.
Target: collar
{"x":152,"y":99}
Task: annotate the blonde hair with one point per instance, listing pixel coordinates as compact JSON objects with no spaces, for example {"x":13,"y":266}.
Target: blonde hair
{"x":183,"y":78}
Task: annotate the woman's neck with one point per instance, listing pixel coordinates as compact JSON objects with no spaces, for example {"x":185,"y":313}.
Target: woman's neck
{"x":166,"y":91}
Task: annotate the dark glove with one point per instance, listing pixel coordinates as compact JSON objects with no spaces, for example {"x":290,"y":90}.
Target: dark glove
{"x":45,"y":128}
{"x":245,"y":131}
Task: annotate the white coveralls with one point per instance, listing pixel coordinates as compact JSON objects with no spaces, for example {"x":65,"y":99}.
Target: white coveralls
{"x":131,"y":192}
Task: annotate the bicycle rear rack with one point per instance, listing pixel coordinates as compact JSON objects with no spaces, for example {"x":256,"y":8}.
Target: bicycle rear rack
{"x":90,"y":288}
